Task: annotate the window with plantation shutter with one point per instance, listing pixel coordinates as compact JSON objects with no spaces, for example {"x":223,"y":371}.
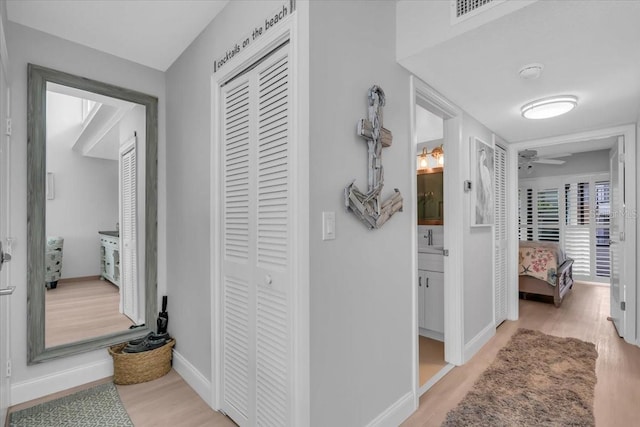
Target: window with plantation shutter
{"x":574,"y":211}
{"x":577,"y":242}
{"x":602,"y":217}
{"x":525,"y":214}
{"x":547,"y":215}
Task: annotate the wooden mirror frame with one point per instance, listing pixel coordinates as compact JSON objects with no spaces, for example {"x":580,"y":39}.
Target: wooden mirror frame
{"x":38,"y":77}
{"x":427,"y":172}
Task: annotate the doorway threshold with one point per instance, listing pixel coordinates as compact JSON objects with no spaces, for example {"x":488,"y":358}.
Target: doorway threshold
{"x":434,"y":379}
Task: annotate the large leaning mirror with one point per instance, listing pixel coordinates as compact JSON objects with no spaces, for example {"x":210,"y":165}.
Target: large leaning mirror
{"x":92,"y":214}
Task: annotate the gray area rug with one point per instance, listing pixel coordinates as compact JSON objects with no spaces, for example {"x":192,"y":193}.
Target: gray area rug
{"x":98,"y":406}
{"x":535,"y":380}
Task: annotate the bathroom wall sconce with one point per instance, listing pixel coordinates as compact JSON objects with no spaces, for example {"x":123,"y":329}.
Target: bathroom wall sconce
{"x":437,"y":153}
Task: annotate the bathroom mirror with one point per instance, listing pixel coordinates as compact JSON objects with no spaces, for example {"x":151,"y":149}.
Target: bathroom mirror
{"x":430,"y":197}
{"x":91,"y":214}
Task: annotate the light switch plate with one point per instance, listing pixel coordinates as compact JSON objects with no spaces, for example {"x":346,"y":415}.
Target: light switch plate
{"x":328,"y":225}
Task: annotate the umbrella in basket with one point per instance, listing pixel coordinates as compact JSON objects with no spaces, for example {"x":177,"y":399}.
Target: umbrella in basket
{"x":163,"y":317}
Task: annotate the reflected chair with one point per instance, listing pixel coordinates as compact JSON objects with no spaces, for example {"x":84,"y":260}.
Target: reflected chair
{"x":53,"y":261}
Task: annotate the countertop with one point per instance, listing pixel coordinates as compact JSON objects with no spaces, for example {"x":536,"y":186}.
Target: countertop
{"x":110,"y":233}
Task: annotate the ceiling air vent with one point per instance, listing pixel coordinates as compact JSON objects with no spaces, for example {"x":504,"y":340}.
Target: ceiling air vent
{"x":464,"y":9}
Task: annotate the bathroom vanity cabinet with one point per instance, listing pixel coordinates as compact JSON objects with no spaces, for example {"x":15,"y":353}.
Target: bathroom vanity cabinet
{"x":110,"y":256}
{"x":431,"y":295}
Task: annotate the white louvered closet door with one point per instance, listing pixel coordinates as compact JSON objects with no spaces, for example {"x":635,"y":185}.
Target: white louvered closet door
{"x":128,"y":231}
{"x":256,"y":285}
{"x":500,"y":231}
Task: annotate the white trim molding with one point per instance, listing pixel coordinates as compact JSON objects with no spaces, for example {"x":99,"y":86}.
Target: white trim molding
{"x":426,"y":96}
{"x":395,"y":414}
{"x":453,"y":228}
{"x":198,"y":382}
{"x":478,"y":341}
{"x":34,"y":388}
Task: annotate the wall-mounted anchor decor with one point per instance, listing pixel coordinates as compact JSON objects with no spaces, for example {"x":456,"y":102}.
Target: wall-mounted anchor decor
{"x":369,"y":207}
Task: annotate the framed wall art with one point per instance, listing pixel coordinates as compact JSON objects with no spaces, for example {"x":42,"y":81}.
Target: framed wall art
{"x":482,"y":197}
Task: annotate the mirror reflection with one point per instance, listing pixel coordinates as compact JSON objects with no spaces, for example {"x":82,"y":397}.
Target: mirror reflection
{"x":92,"y":156}
{"x":430,"y":197}
{"x":94,"y":171}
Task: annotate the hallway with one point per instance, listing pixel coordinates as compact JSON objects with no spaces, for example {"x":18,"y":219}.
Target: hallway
{"x":583,"y":315}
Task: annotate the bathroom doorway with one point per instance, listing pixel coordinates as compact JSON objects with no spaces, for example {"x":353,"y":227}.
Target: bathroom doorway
{"x":430,"y":205}
{"x":436,"y":137}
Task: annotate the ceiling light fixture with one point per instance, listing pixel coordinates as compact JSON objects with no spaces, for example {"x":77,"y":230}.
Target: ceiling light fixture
{"x":549,"y":107}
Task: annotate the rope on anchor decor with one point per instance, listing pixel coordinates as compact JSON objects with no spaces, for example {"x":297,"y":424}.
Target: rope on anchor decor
{"x":369,"y":207}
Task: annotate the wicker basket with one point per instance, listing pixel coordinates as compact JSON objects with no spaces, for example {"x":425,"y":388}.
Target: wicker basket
{"x":134,"y":368}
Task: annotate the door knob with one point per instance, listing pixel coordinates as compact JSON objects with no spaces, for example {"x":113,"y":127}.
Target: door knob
{"x":267,"y":279}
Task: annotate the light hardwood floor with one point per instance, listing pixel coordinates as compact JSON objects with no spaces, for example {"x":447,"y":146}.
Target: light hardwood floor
{"x":431,"y":358}
{"x":81,"y":309}
{"x":165,"y":402}
{"x":169,"y":401}
{"x":583,"y":315}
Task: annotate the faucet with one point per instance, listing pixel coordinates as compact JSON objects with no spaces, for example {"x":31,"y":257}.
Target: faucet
{"x":429,"y":237}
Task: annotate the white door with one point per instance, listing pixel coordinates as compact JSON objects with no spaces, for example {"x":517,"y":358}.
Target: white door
{"x":256,"y":343}
{"x":5,"y":289}
{"x":616,"y":234}
{"x":500,"y":235}
{"x":127,"y":255}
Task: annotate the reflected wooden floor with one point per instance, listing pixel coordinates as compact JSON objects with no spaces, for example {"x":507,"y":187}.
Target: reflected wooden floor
{"x":583,"y":315}
{"x":431,"y":358}
{"x":82,"y":308}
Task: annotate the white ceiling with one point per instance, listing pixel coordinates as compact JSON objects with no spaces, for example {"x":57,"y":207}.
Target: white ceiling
{"x":150,"y":32}
{"x":590,"y":49}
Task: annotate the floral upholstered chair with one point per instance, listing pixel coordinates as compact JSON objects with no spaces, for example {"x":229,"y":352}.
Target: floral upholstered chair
{"x":53,"y":261}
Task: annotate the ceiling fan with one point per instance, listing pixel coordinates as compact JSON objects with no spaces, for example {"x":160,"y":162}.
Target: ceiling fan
{"x":527,"y":158}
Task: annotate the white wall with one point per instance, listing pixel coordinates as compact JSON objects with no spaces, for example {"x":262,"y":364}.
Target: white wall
{"x":577,"y":164}
{"x":86,"y":190}
{"x":361,"y":282}
{"x":189,"y":175}
{"x":637,"y":217}
{"x":30,"y":46}
{"x":478,"y":250}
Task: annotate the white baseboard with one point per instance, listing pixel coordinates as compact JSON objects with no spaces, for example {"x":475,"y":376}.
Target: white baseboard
{"x":395,"y":414}
{"x":193,"y":377}
{"x":34,"y":388}
{"x":428,"y":333}
{"x":478,"y":341}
